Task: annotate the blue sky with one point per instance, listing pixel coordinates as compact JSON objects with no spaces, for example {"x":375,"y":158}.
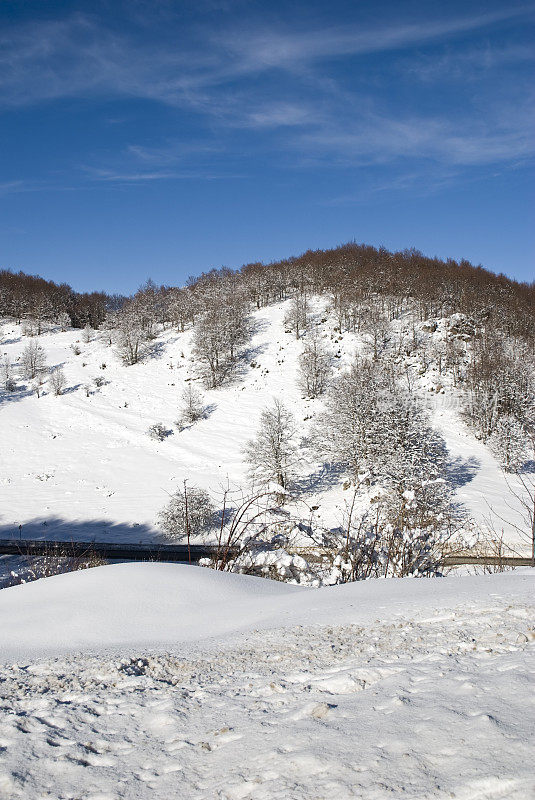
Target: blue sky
{"x":166,"y":138}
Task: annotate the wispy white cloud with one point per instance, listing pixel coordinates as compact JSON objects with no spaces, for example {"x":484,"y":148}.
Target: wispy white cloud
{"x":226,"y":77}
{"x":466,"y":64}
{"x":118,"y":177}
{"x":171,"y":153}
{"x":75,"y":57}
{"x":130,"y":177}
{"x":8,"y":187}
{"x":21,"y":185}
{"x":282,"y":49}
{"x":380,"y":138}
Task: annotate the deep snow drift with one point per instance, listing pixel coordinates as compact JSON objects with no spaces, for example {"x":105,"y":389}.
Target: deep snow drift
{"x":163,"y":681}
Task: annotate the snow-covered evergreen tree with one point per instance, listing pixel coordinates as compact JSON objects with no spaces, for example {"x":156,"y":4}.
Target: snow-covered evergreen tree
{"x":64,"y":321}
{"x":87,"y":334}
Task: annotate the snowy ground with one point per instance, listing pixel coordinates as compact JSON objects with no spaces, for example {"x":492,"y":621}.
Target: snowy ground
{"x":165,"y":681}
{"x":84,"y":467}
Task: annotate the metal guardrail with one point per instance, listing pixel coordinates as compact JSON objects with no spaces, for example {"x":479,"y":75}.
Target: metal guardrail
{"x":107,"y":550}
{"x":192,"y":554}
{"x":496,"y":561}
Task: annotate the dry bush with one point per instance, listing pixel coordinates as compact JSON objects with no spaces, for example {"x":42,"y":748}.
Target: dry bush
{"x":58,"y":560}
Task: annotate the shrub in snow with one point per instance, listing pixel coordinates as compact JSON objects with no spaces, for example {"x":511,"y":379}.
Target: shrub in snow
{"x":87,"y":334}
{"x":159,"y":432}
{"x":277,"y":565}
{"x":99,"y":381}
{"x":33,"y":361}
{"x":76,"y":349}
{"x":193,"y":408}
{"x":509,"y":443}
{"x":56,"y":562}
{"x":381,"y":543}
{"x":37,"y":385}
{"x":190,"y":512}
{"x":57,"y":381}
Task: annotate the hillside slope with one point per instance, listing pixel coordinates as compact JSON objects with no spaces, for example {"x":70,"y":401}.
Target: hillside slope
{"x":83,"y":465}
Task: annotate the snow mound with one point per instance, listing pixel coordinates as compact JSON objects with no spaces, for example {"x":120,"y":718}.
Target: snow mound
{"x":130,"y":603}
{"x":381,"y":689}
{"x":160,"y":605}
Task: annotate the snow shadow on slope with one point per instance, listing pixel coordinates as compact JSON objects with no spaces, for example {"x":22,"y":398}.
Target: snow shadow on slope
{"x":238,"y":370}
{"x":15,"y":340}
{"x":326,"y":477}
{"x":58,"y":529}
{"x":20,"y":393}
{"x":155,"y":350}
{"x":92,"y":530}
{"x":462,"y":470}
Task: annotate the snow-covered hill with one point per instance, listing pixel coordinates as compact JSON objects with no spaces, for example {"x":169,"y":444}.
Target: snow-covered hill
{"x":82,"y":465}
{"x":135,"y":681}
{"x":138,"y":680}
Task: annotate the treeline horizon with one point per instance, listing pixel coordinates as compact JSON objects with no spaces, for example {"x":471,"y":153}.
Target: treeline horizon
{"x":439,"y":287}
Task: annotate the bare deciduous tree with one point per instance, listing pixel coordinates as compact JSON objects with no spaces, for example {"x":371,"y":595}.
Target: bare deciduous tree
{"x":57,"y":381}
{"x":220,"y":333}
{"x":33,"y":360}
{"x":272,"y":454}
{"x":190,"y":512}
{"x":296,"y":318}
{"x":7,"y":374}
{"x":377,"y":333}
{"x":193,"y":406}
{"x":130,"y":336}
{"x":314,"y":367}
{"x":509,"y":443}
